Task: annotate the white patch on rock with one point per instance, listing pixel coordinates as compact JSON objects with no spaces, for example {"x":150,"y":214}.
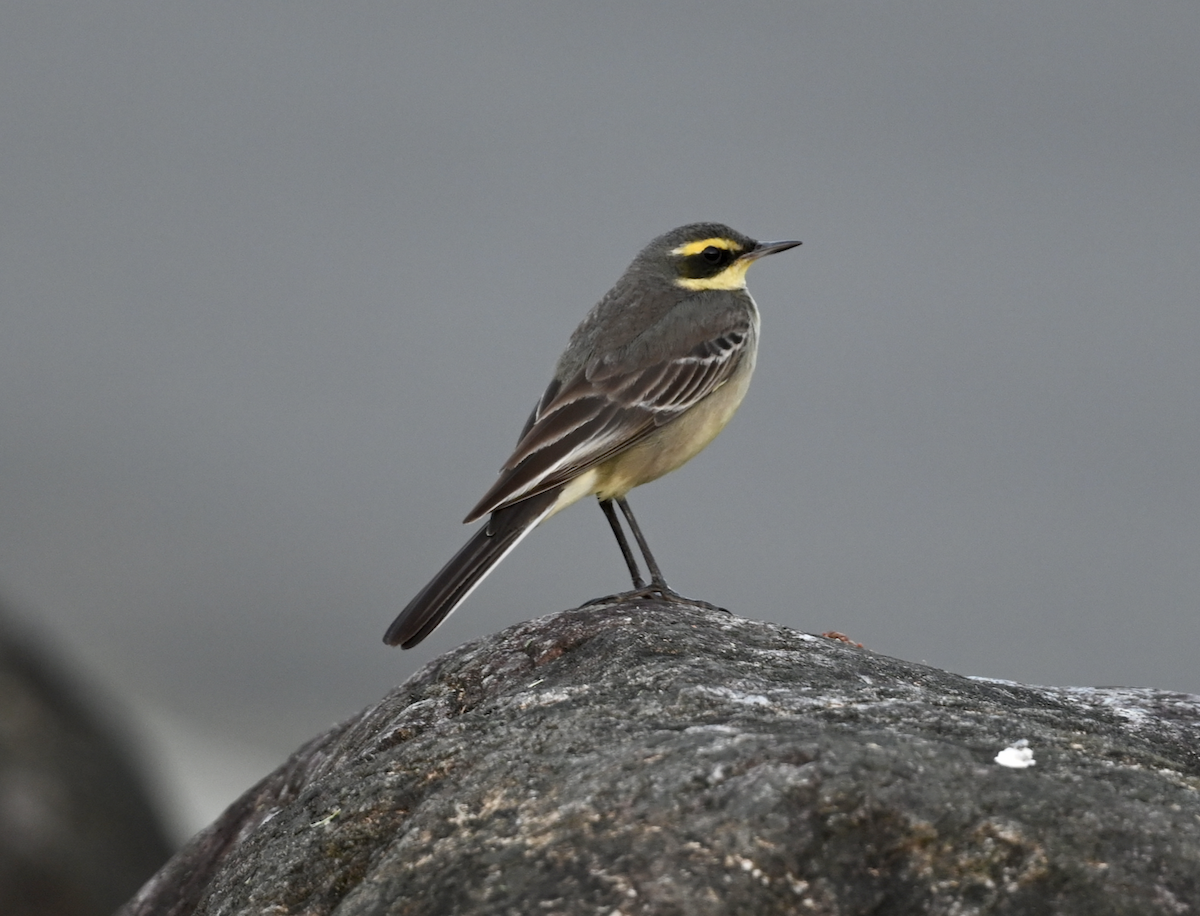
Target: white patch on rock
{"x":1018,"y":756}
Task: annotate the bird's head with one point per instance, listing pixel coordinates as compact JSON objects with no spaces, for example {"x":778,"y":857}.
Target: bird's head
{"x":705,"y":256}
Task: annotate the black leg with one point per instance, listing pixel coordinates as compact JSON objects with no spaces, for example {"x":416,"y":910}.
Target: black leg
{"x":656,"y":576}
{"x":610,"y":514}
{"x":657,"y":590}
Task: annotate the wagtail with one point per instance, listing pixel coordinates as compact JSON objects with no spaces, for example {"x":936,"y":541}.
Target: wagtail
{"x":650,"y":377}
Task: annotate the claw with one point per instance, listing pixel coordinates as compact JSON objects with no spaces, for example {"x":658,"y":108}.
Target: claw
{"x":656,"y":593}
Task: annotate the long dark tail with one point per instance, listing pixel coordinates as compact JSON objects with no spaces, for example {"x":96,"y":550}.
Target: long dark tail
{"x":458,"y":578}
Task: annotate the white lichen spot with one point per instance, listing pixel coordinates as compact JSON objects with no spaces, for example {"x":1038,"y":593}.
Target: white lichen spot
{"x":718,"y":728}
{"x":531,"y":699}
{"x":735,"y":696}
{"x":327,"y":819}
{"x":748,"y":866}
{"x":1017,"y":756}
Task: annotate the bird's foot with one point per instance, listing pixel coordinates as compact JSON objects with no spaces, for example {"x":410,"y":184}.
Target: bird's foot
{"x":656,"y":592}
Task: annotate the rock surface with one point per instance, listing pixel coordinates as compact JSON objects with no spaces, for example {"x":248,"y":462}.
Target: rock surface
{"x":636,"y":758}
{"x":77,"y":832}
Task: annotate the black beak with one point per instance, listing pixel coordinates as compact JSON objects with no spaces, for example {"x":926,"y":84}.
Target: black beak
{"x":762,"y":249}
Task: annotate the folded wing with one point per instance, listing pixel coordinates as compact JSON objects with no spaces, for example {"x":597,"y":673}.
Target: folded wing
{"x":610,"y":405}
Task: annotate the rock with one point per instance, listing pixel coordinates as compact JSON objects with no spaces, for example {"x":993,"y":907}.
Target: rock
{"x":77,"y":832}
{"x":644,"y":759}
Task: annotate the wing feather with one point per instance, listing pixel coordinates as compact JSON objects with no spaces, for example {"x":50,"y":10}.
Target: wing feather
{"x":609,"y":406}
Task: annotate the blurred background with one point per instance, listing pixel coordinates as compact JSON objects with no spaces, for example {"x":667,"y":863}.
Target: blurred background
{"x":280,"y":282}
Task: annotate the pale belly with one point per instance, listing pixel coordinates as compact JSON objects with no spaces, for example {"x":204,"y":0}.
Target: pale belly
{"x":675,"y":444}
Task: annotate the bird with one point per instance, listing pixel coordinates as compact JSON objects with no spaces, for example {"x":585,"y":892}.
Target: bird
{"x":648,"y":379}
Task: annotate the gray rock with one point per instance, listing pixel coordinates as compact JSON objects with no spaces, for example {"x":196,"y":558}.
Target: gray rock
{"x":78,"y":834}
{"x":639,"y":758}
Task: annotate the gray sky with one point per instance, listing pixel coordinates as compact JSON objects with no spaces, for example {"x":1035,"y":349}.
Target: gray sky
{"x":281,"y":281}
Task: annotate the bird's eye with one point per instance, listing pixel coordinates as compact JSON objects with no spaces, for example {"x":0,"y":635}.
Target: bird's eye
{"x":712,"y":254}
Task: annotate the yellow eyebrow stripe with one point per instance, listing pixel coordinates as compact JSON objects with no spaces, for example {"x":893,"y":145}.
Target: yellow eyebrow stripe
{"x":697,"y":247}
